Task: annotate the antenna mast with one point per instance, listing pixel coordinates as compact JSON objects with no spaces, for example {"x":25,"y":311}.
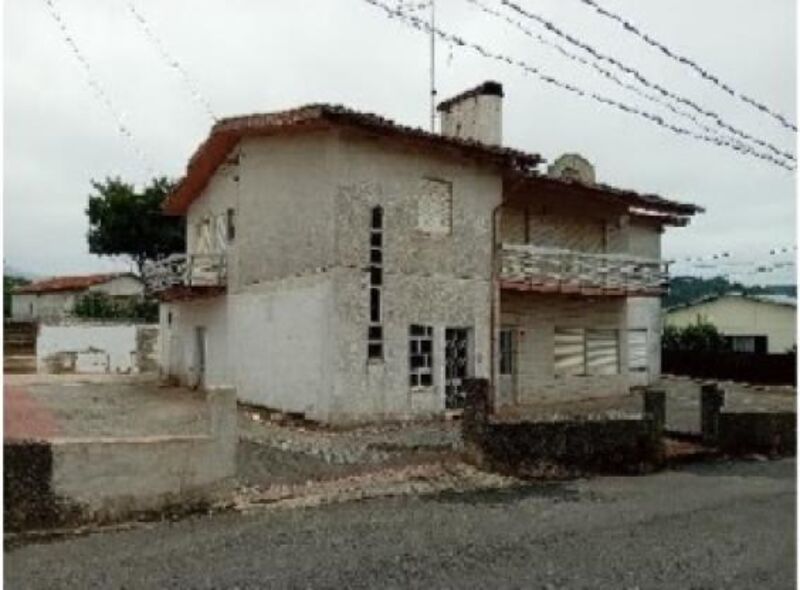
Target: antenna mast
{"x":433,"y":65}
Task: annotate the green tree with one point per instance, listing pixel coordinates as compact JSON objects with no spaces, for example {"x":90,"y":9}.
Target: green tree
{"x":124,"y":221}
{"x":97,"y":305}
{"x":699,"y":337}
{"x":9,"y":284}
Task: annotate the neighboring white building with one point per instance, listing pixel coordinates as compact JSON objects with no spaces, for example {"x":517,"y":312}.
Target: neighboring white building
{"x":349,"y":268}
{"x":751,"y":323}
{"x":54,"y":299}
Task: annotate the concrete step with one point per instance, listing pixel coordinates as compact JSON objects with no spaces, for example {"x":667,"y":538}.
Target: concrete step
{"x":19,"y":364}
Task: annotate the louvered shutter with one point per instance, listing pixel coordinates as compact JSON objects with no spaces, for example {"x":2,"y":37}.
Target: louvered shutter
{"x":602,"y":352}
{"x":637,"y":350}
{"x":569,"y":350}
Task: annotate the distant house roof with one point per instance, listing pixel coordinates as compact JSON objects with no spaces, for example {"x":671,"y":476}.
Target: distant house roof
{"x":786,"y":300}
{"x":70,"y":283}
{"x":226,"y":133}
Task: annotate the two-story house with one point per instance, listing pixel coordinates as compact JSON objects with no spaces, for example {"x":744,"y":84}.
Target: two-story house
{"x":349,"y":268}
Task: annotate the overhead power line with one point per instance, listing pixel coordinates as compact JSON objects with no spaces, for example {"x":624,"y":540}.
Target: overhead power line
{"x":600,"y":69}
{"x":172,"y":62}
{"x":421,"y":25}
{"x":628,"y":26}
{"x":550,"y":26}
{"x":97,"y":88}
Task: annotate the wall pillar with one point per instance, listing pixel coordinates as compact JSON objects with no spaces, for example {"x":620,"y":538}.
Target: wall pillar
{"x":712,"y":398}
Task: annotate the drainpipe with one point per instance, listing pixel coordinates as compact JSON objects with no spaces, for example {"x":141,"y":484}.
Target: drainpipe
{"x":492,"y":318}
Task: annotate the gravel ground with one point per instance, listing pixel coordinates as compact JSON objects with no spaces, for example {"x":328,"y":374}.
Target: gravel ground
{"x":723,"y":525}
{"x":116,"y":406}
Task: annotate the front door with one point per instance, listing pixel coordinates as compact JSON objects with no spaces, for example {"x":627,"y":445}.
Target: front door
{"x":456,"y":367}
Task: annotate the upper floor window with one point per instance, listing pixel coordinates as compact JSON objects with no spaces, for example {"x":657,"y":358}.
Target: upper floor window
{"x":230,"y":224}
{"x":435,"y":207}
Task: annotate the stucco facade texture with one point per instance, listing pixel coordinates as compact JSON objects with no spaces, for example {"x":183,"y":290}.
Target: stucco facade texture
{"x":291,"y":331}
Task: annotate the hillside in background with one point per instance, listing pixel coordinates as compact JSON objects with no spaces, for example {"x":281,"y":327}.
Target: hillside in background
{"x":684,"y":290}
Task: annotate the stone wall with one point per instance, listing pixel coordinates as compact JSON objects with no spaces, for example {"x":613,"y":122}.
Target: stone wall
{"x":738,"y":433}
{"x":596,"y":444}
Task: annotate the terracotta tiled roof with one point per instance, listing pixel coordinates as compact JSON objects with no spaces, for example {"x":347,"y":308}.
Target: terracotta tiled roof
{"x":227,"y":133}
{"x":515,"y":165}
{"x":68,"y":283}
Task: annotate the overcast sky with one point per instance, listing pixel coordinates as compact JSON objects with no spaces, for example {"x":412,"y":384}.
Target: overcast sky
{"x":262,"y":55}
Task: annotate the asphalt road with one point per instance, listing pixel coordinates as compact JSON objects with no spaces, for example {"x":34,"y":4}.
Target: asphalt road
{"x":723,"y":525}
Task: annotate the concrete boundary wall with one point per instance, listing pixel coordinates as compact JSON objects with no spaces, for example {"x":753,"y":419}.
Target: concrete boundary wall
{"x":97,"y":348}
{"x":104,"y":479}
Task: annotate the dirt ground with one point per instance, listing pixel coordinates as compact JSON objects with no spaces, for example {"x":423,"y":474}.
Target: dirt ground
{"x":42,"y":406}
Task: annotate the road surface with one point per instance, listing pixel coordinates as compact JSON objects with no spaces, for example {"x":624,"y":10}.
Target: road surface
{"x":722,"y":525}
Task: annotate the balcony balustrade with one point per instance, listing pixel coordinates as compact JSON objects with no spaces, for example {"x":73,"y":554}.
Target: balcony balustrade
{"x":552,"y":270}
{"x":186,"y":271}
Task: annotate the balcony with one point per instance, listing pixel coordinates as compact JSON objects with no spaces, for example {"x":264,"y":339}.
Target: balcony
{"x":185,"y":276}
{"x":551,"y":270}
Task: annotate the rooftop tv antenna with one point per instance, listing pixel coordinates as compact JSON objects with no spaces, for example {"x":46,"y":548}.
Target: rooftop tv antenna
{"x":433,"y":64}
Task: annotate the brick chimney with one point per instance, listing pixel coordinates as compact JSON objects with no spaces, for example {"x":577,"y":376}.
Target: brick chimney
{"x":475,"y":114}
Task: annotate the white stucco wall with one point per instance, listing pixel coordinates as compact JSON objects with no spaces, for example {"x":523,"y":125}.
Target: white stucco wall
{"x":89,"y":348}
{"x":644,"y":313}
{"x":44,"y":306}
{"x":179,"y":342}
{"x":281,"y":344}
{"x":124,"y":286}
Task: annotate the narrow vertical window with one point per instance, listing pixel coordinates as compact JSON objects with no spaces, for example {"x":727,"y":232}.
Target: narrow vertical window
{"x":507,"y":351}
{"x":420,"y":356}
{"x":375,"y":330}
{"x":230,"y":219}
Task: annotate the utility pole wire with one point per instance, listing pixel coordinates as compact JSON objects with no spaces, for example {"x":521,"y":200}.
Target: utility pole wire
{"x":643,"y":80}
{"x":173,"y":62}
{"x":600,"y":69}
{"x":628,"y":26}
{"x":97,"y":88}
{"x":420,"y":25}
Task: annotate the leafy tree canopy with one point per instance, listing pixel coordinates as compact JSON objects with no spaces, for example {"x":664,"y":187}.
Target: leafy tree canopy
{"x":699,"y":337}
{"x":97,"y":305}
{"x":9,"y":284}
{"x":124,"y":221}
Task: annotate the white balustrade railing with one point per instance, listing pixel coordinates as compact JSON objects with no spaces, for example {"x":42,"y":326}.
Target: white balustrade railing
{"x":186,"y":270}
{"x":527,"y":266}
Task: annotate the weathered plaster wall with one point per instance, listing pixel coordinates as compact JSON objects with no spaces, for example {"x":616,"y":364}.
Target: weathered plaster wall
{"x":534,"y":318}
{"x":644,"y":239}
{"x":179,"y":348}
{"x":286,"y":208}
{"x":281,"y":342}
{"x":44,"y":306}
{"x":478,"y":117}
{"x":124,"y":286}
{"x":438,"y":280}
{"x":644,"y":313}
{"x":96,"y":348}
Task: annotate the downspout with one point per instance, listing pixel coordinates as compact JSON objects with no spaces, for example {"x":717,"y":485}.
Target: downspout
{"x":492,"y":318}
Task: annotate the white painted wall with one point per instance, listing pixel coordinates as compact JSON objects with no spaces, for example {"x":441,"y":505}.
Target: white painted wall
{"x":179,"y":354}
{"x":282,"y":344}
{"x":88,"y":348}
{"x":123,"y":286}
{"x":43,"y":306}
{"x":644,"y":313}
{"x":740,"y":316}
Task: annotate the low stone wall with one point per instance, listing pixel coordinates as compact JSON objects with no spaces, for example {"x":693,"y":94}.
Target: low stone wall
{"x":68,"y":481}
{"x":600,"y":445}
{"x":739,"y":433}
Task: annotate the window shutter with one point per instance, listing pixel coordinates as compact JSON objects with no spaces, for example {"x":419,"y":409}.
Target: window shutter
{"x":569,"y":349}
{"x":602,"y":352}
